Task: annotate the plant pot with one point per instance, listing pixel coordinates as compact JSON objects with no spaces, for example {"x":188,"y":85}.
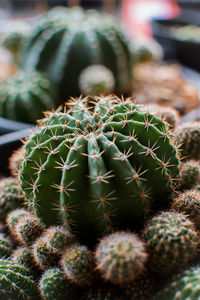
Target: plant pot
{"x":8,"y":126}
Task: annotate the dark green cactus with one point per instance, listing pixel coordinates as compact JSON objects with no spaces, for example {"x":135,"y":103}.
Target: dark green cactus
{"x":120,"y":257}
{"x":185,"y":287}
{"x":5,"y":246}
{"x":171,"y":241}
{"x":15,"y":282}
{"x":11,"y":196}
{"x":77,"y":264}
{"x":64,"y":43}
{"x":102,"y":165}
{"x":23,"y":97}
{"x":54,"y":285}
{"x":189,"y":175}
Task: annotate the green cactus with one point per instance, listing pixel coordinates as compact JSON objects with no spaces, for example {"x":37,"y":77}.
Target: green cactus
{"x":23,"y":256}
{"x":101,"y":165}
{"x":24,"y":96}
{"x":77,"y":264}
{"x":11,"y":196}
{"x":14,"y":216}
{"x":185,"y":287}
{"x":5,"y":246}
{"x":120,"y":257}
{"x":187,"y":136}
{"x":102,"y":294}
{"x":63,"y":44}
{"x":44,"y":255}
{"x":96,"y":80}
{"x":188,"y":203}
{"x":171,"y":241}
{"x":15,"y":282}
{"x":54,"y":285}
{"x":15,"y":161}
{"x":189,"y":175}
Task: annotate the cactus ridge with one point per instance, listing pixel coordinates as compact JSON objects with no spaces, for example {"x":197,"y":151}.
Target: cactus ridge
{"x":119,"y":153}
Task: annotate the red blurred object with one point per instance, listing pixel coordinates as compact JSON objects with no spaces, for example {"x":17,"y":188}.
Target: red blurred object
{"x":137,"y":14}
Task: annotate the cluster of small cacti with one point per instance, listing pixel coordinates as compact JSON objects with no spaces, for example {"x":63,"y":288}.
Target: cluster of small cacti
{"x":100,"y":217}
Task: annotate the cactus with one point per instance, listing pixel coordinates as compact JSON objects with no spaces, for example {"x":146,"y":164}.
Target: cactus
{"x":185,"y":287}
{"x":77,"y":264}
{"x":15,"y":161}
{"x":44,"y":255}
{"x":11,"y":196}
{"x":24,"y":96}
{"x":63,"y":44}
{"x":188,"y":203}
{"x":187,"y":136}
{"x":23,"y":256}
{"x":15,"y":282}
{"x":189,"y":175}
{"x":102,"y":165}
{"x":120,"y":257}
{"x":96,"y":80}
{"x":54,"y":285}
{"x":14,"y":216}
{"x":102,"y":294}
{"x":5,"y":246}
{"x":171,"y":241}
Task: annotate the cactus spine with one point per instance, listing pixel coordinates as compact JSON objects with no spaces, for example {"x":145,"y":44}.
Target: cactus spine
{"x":5,"y":246}
{"x":120,"y":257}
{"x":107,"y":154}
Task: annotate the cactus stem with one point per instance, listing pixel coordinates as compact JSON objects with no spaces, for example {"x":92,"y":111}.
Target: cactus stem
{"x":64,"y":188}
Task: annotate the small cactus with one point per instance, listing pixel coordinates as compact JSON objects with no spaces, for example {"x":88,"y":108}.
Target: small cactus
{"x":185,"y":287}
{"x":14,"y":216}
{"x":120,"y":257}
{"x":189,"y":175}
{"x":96,"y":80}
{"x":187,"y":136}
{"x":5,"y":246}
{"x":54,"y":285}
{"x":28,"y":229}
{"x":171,"y":241}
{"x":77,"y":264}
{"x":24,"y":257}
{"x":15,"y":282}
{"x":188,"y":203}
{"x":11,"y":196}
{"x":15,"y":161}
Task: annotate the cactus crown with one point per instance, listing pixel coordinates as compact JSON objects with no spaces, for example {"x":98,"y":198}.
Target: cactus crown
{"x":103,"y":154}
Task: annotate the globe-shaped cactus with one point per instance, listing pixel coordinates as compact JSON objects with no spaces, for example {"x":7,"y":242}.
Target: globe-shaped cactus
{"x":101,"y":165}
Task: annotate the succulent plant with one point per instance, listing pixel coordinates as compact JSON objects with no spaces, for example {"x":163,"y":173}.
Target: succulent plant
{"x":11,"y":196}
{"x":96,"y":80}
{"x":27,"y":229}
{"x":101,"y":294}
{"x":120,"y":257}
{"x":77,"y":264}
{"x":187,"y":135}
{"x":15,"y":282}
{"x":171,"y":241}
{"x":188,"y":203}
{"x":23,"y":256}
{"x":54,"y":285}
{"x":15,"y":161}
{"x":189,"y":175}
{"x":24,"y":96}
{"x":64,"y":43}
{"x":102,"y":165}
{"x":5,"y":246}
{"x":14,"y":216}
{"x":186,"y":286}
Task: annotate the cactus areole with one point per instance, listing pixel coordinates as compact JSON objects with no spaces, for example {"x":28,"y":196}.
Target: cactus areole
{"x":101,"y":165}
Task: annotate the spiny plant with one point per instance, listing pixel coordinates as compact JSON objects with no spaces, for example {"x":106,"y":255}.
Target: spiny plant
{"x":27,"y":229}
{"x":77,"y":264}
{"x":23,"y":256}
{"x":171,"y":241}
{"x":96,"y":80}
{"x":15,"y":282}
{"x":54,"y":285}
{"x":98,"y":38}
{"x":187,"y":136}
{"x":185,"y":287}
{"x":14,"y":216}
{"x":24,"y":96}
{"x":189,"y":175}
{"x":101,"y":165}
{"x":188,"y":203}
{"x":5,"y":246}
{"x":120,"y":257}
{"x":11,"y":196}
{"x":101,"y":294}
{"x":15,"y":161}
